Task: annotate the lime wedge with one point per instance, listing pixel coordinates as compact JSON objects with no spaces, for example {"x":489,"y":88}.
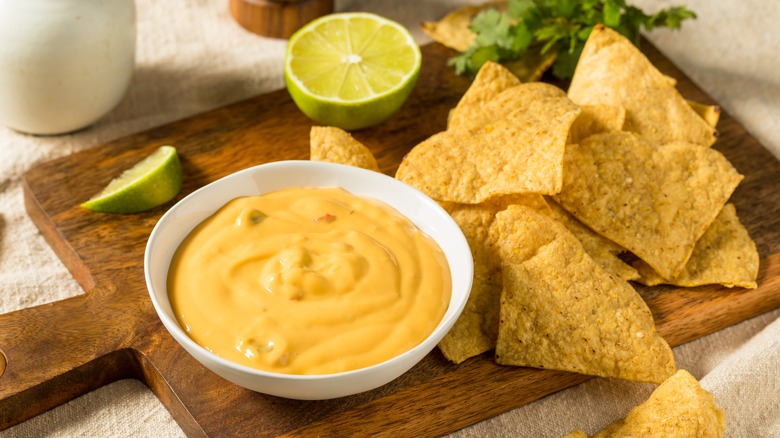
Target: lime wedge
{"x":153,"y":181}
{"x":351,"y":70}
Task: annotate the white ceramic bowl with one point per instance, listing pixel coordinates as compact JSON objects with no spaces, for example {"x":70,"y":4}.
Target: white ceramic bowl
{"x":174,"y":226}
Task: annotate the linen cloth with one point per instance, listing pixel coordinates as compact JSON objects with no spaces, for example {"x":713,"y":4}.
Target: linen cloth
{"x":192,"y":57}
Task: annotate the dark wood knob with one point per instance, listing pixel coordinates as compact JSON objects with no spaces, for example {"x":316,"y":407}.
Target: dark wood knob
{"x":277,"y":18}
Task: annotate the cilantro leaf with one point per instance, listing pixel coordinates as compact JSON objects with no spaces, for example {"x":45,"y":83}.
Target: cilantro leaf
{"x":521,"y":38}
{"x":560,"y":26}
{"x":461,"y":62}
{"x":612,"y":13}
{"x":671,"y":18}
{"x":521,"y":8}
{"x":492,"y":28}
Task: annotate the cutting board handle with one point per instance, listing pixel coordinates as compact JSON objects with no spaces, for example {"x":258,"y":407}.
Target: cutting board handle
{"x":50,"y":354}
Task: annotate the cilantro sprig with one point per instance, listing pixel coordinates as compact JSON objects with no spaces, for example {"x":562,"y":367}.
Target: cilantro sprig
{"x":562,"y":26}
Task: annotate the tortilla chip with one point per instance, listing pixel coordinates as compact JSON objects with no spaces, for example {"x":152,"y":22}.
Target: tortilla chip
{"x":604,"y":251}
{"x":476,"y":329}
{"x":725,"y":255}
{"x":655,"y":201}
{"x":710,"y":113}
{"x":560,"y":310}
{"x":531,"y":66}
{"x":595,"y":119}
{"x":535,"y":202}
{"x":679,"y":407}
{"x":613,"y":71}
{"x":453,"y":29}
{"x":516,"y":152}
{"x":520,"y":98}
{"x":337,"y":146}
{"x":476,"y":117}
{"x":491,"y":80}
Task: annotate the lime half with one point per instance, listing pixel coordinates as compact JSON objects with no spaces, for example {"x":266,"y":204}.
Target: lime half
{"x":351,"y":70}
{"x":153,"y":181}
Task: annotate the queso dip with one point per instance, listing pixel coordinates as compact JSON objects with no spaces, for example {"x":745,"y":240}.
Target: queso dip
{"x":308,"y":281}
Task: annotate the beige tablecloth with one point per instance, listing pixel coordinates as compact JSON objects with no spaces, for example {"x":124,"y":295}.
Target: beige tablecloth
{"x":192,"y":57}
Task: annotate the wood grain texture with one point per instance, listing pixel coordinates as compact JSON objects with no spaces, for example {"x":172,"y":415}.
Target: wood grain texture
{"x":277,"y":18}
{"x":59,"y":351}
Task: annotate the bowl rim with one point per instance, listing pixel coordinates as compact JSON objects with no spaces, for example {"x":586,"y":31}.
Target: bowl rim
{"x":173,"y":327}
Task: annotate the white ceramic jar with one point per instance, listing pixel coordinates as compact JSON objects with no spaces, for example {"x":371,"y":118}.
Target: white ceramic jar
{"x":63,"y":63}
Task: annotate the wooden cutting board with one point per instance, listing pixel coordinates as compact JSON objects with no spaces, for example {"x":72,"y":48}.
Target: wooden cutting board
{"x":62,"y":350}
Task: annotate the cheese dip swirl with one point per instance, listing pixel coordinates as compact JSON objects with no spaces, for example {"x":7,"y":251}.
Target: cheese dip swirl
{"x":308,"y":281}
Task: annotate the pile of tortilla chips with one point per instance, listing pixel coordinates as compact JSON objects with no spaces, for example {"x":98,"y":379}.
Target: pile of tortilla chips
{"x":554,"y":190}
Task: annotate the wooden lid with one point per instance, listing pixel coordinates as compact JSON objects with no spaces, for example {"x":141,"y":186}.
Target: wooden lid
{"x":277,"y":18}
